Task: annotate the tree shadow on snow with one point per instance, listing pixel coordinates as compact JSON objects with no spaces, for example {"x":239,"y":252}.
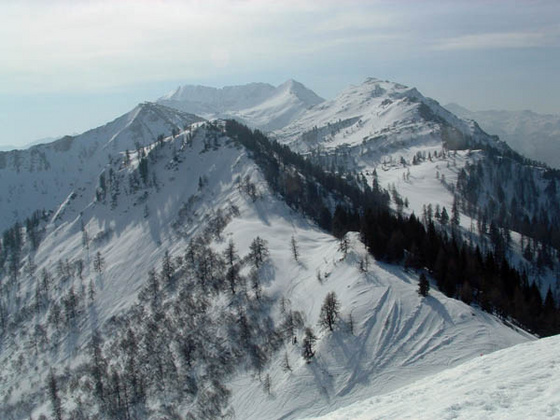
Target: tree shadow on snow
{"x":267,"y":273}
{"x":262,"y":213}
{"x":397,"y":271}
{"x":439,"y":308}
{"x":322,"y":378}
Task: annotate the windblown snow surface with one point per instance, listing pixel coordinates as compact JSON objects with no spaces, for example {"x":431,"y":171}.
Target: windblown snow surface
{"x":521,"y":382}
{"x":398,"y":337}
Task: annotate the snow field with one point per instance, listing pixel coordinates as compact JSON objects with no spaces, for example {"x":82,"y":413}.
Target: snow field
{"x":520,"y":382}
{"x":398,"y":337}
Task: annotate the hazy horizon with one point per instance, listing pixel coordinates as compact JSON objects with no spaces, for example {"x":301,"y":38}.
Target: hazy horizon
{"x":72,"y":66}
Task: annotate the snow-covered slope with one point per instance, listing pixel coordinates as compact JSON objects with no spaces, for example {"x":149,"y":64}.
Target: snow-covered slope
{"x":41,"y":177}
{"x":151,"y":246}
{"x":259,"y":105}
{"x":378,"y":118}
{"x":398,"y":336}
{"x":536,"y":136}
{"x":393,"y":134}
{"x":521,"y":382}
{"x":195,"y":185}
{"x":410,"y":145}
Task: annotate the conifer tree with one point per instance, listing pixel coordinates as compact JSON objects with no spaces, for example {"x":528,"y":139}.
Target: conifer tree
{"x":455,"y":216}
{"x":232,"y":263}
{"x":54,"y":397}
{"x":98,"y":365}
{"x":98,"y":262}
{"x":309,"y":345}
{"x":258,"y":252}
{"x":167,"y":268}
{"x":343,"y":246}
{"x":295,"y":248}
{"x":423,"y":286}
{"x":329,"y":311}
{"x":444,"y":218}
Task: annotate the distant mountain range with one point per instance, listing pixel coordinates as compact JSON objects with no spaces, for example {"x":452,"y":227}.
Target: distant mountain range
{"x":259,"y":105}
{"x":536,"y":136}
{"x":43,"y":140}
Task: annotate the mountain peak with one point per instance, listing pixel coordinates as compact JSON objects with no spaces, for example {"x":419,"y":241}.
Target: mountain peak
{"x":377,"y":115}
{"x":307,"y":96}
{"x":385,"y":83}
{"x":234,"y":97}
{"x":380,"y":87}
{"x":371,"y":80}
{"x":259,"y":105}
{"x":292,"y":84}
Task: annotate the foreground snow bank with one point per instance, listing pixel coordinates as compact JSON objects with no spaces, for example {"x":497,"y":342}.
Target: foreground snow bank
{"x":520,"y":382}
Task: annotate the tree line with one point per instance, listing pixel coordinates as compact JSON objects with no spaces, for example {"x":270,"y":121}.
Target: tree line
{"x":461,"y":270}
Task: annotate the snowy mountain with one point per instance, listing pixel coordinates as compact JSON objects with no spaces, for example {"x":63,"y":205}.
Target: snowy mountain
{"x":192,"y":197}
{"x":536,"y":136}
{"x":258,"y":105}
{"x":430,"y":160}
{"x":43,"y":176}
{"x":505,"y":384}
{"x":376,"y":119}
{"x":194,"y":269}
{"x":208,"y":100}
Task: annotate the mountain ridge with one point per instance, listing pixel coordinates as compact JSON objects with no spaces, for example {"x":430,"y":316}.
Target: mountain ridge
{"x":208,"y":197}
{"x":71,"y":163}
{"x":379,"y":109}
{"x":393,"y":136}
{"x":187,"y":270}
{"x":259,"y":105}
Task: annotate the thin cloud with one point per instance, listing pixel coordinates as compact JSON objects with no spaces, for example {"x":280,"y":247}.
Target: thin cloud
{"x":90,"y":45}
{"x":488,"y":41}
{"x":357,"y":20}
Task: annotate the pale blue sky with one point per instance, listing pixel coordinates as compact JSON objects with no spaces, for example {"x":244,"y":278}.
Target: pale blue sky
{"x":68,"y":66}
